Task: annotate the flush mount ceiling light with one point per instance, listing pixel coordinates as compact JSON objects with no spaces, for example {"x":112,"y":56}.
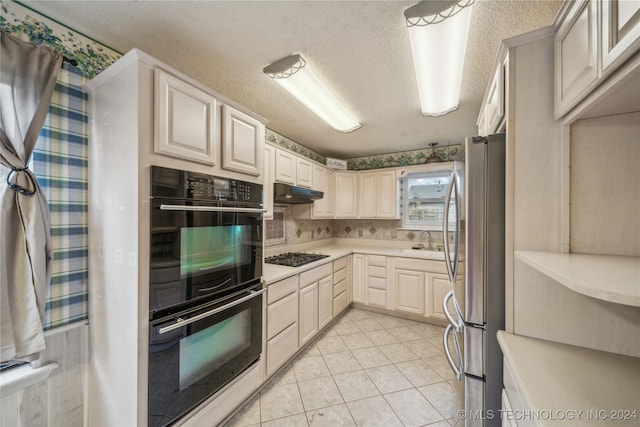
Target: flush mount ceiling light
{"x":293,"y":75}
{"x":438,"y":31}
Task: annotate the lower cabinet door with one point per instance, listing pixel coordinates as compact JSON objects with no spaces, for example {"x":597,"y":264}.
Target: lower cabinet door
{"x":438,"y":287}
{"x":409,"y":289}
{"x":339,"y":303}
{"x":325,"y":301}
{"x":281,"y":347}
{"x":308,"y":313}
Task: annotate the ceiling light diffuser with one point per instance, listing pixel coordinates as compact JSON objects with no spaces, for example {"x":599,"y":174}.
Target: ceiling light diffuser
{"x":438,"y":31}
{"x":293,"y":75}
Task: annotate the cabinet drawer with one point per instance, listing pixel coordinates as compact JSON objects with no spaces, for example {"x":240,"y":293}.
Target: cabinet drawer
{"x":339,"y":287}
{"x":377,"y":297}
{"x":313,"y":275}
{"x":339,"y":275}
{"x":377,"y":283}
{"x":340,"y":263}
{"x":281,"y":289}
{"x":378,"y":260}
{"x":375,"y":271}
{"x":281,"y":347}
{"x":282,"y":314}
{"x":339,"y":303}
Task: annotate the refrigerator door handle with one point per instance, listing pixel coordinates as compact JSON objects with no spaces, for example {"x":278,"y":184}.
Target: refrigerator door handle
{"x":457,"y":324}
{"x":457,"y":369}
{"x":452,"y":267}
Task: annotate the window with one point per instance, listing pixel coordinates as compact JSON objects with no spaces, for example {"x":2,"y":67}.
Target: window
{"x":423,"y":197}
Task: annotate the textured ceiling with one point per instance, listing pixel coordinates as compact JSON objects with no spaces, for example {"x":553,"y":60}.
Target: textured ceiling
{"x":359,"y":48}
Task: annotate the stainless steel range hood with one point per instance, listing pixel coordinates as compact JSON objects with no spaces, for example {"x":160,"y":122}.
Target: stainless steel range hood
{"x":290,"y":194}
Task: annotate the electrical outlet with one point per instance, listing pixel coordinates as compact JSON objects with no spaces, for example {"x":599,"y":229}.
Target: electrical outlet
{"x":394,"y":234}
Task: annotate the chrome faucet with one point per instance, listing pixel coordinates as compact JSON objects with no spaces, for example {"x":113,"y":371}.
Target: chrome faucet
{"x":428,"y":239}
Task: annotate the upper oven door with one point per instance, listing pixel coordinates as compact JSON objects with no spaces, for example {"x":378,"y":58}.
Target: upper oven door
{"x":201,"y":249}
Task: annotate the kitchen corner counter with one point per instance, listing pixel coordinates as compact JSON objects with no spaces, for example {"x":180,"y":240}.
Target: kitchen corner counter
{"x":335,"y":250}
{"x":550,"y":383}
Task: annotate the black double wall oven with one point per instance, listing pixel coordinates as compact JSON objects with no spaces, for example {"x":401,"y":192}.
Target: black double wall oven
{"x":205,"y":287}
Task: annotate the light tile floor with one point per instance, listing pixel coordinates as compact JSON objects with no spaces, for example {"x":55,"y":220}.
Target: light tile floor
{"x":367,"y":369}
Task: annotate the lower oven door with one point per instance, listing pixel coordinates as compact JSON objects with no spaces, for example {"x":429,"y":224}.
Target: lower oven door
{"x":204,"y":349}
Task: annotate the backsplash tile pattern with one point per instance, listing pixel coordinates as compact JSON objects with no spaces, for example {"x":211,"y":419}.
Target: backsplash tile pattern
{"x":303,"y":231}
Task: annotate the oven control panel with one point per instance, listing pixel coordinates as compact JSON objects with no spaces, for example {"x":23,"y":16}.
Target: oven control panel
{"x":174,"y":183}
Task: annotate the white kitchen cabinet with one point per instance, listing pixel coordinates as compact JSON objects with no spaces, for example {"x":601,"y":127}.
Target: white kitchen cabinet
{"x":285,"y":167}
{"x":268,"y":174}
{"x":387,"y":194}
{"x":312,"y":283}
{"x":282,"y":322}
{"x":376,"y":281}
{"x":292,"y":169}
{"x":409,"y":287}
{"x":346,"y":194}
{"x":576,"y":55}
{"x":594,"y":39}
{"x":325,"y":301}
{"x":378,"y":194}
{"x":185,"y":120}
{"x":304,"y":172}
{"x":341,"y":284}
{"x":243,"y":141}
{"x":323,"y":180}
{"x":308,"y":320}
{"x":620,"y":32}
{"x":418,"y":287}
{"x":438,"y":285}
{"x":492,"y":111}
{"x":367,"y":194}
{"x":358,"y":283}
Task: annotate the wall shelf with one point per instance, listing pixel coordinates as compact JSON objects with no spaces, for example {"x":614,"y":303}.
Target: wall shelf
{"x":605,"y":277}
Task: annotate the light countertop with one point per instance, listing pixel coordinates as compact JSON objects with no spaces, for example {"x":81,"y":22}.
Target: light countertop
{"x":337,"y":248}
{"x":559,"y":384}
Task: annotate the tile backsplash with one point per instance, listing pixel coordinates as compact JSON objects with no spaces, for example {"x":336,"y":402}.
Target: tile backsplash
{"x":309,"y":230}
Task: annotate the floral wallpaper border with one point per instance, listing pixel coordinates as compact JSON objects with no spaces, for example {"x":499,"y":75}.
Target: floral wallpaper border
{"x":289,"y":144}
{"x":27,"y":24}
{"x":404,"y":158}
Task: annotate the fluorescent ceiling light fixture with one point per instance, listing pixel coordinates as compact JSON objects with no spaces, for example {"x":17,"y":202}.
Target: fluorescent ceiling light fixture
{"x":293,"y":75}
{"x":438,"y":31}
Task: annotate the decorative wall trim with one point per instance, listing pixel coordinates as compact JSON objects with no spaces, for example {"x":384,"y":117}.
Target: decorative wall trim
{"x":405,"y":158}
{"x":289,"y":144}
{"x":25,"y":23}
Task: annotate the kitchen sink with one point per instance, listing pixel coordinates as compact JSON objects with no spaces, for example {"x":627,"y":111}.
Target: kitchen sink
{"x":425,"y":253}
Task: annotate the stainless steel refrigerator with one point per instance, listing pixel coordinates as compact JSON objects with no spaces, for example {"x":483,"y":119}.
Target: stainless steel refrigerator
{"x":475,"y":307}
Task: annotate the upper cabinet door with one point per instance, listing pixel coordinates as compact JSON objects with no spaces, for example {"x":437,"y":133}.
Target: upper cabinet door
{"x":576,"y":55}
{"x":304,"y":173}
{"x":620,"y":31}
{"x":243,"y":142}
{"x":285,"y":167}
{"x":185,"y":120}
{"x":387,"y":203}
{"x":367,"y":194}
{"x":346,"y":195}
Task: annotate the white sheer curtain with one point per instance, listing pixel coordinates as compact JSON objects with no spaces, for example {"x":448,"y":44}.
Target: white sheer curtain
{"x":27,"y":80}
